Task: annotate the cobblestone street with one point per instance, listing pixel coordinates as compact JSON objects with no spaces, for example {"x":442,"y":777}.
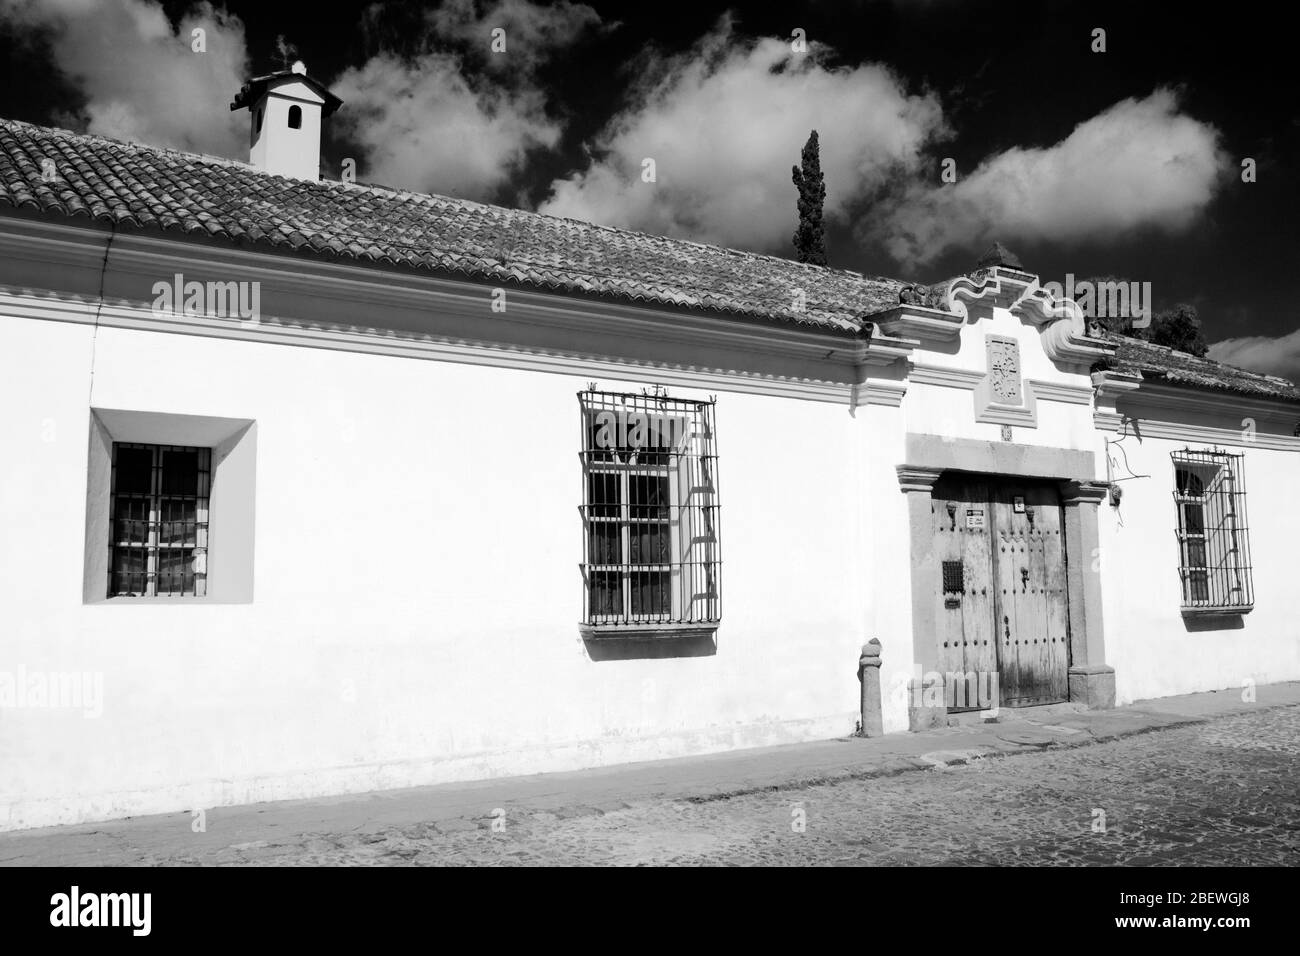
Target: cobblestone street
{"x":1223,"y":792}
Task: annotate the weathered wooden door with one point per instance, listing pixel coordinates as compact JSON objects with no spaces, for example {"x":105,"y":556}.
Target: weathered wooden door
{"x":1001,"y":612}
{"x":1030,"y":604}
{"x":967,"y":642}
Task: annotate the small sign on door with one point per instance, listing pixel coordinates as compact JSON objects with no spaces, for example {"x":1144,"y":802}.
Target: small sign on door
{"x":1018,"y":504}
{"x":975,"y":518}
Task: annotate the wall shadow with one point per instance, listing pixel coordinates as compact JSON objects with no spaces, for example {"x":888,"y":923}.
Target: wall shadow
{"x":632,"y":648}
{"x":1227,"y":622}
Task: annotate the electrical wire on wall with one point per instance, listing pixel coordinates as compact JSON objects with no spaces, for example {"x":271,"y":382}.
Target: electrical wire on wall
{"x":1112,"y":463}
{"x":99,"y":308}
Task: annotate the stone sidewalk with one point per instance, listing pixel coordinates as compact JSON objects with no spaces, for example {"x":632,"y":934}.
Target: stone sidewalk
{"x":466,"y":806}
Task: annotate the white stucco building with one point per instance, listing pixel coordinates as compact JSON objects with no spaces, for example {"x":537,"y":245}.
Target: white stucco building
{"x":466,"y":491}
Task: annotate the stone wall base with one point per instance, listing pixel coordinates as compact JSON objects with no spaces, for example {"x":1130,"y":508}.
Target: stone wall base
{"x":1093,"y":685}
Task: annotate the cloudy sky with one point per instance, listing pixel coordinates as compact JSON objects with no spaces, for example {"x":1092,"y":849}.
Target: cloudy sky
{"x":1126,"y":162}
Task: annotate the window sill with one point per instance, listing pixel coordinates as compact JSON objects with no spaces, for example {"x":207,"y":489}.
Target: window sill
{"x":161,"y":600}
{"x":646,"y":632}
{"x":1224,"y":610}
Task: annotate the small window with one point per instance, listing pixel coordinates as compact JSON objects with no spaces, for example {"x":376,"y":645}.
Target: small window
{"x":295,"y":117}
{"x":259,"y":120}
{"x":652,"y":554}
{"x":158,"y":520}
{"x":1213,"y":538}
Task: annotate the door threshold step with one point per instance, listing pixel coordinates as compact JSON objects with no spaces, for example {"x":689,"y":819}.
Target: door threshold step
{"x":1037,"y":714}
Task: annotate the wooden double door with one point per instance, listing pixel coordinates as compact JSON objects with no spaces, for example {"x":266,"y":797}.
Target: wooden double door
{"x":1003,"y":621}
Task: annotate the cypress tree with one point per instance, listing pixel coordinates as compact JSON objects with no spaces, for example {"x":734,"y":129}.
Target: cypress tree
{"x":810,"y":237}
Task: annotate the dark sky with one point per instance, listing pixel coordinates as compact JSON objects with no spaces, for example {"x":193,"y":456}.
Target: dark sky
{"x":1009,"y":76}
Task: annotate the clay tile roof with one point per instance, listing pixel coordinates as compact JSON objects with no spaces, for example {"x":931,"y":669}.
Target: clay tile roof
{"x":148,"y":188}
{"x":1161,"y":363}
{"x":144,"y":187}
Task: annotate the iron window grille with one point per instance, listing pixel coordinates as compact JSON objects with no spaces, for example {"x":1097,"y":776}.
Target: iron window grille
{"x":158,"y":520}
{"x":954,"y":577}
{"x":1213,"y":537}
{"x":651,"y":544}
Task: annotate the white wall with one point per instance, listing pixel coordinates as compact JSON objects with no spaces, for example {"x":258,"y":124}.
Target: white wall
{"x":1154,"y":651}
{"x":886,"y":536}
{"x":417,"y":589}
{"x":417,"y":592}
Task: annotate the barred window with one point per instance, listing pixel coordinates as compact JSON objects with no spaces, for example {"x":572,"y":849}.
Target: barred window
{"x":652,"y":554}
{"x":1213,"y":538}
{"x":158,"y":520}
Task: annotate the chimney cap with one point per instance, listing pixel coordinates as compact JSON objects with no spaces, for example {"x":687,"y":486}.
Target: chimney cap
{"x":254,"y":89}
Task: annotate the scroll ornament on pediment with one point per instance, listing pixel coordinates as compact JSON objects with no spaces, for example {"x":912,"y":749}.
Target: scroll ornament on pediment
{"x":925,"y":296}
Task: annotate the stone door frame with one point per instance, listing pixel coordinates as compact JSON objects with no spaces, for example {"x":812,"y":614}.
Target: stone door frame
{"x":1091,"y":680}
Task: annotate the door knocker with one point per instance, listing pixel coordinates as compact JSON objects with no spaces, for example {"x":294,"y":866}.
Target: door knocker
{"x":1024,"y":578}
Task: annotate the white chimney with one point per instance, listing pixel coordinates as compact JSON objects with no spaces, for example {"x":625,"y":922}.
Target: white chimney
{"x":285,"y":112}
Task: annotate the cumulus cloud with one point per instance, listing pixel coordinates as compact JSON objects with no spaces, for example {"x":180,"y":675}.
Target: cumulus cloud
{"x":532,"y":32}
{"x":724,"y":123}
{"x":1272,"y":355}
{"x":142,"y":80}
{"x":426,"y":122}
{"x":1140,"y":163}
{"x":422,"y":125}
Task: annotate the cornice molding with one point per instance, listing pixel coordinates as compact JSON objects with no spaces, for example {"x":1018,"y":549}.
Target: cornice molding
{"x":915,"y":479}
{"x":925,"y":326}
{"x":886,"y":351}
{"x":843,"y":366}
{"x":1154,"y":409}
{"x":374,"y":342}
{"x":1207,"y":434}
{"x":1084,"y":492}
{"x":944,"y":377}
{"x":321,"y":291}
{"x":889,"y":394}
{"x":1024,"y":416}
{"x":969,"y":379}
{"x":155,"y":259}
{"x":1110,"y":387}
{"x":1157,"y":395}
{"x":1061,"y":392}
